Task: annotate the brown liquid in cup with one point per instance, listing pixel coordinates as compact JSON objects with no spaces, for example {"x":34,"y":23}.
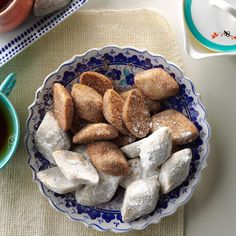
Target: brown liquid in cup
{"x":6,"y":129}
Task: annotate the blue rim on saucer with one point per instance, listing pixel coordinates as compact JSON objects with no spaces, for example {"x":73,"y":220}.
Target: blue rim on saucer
{"x":196,"y":33}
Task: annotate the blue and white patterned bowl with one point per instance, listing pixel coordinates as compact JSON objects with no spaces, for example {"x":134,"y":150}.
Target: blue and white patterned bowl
{"x":119,"y":64}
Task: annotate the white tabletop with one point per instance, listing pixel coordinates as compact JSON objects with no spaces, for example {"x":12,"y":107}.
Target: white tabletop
{"x":212,"y":209}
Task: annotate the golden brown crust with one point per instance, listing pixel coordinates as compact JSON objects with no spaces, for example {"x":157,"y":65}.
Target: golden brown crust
{"x":153,"y":105}
{"x":108,"y":158}
{"x":87,"y":102}
{"x":63,"y":106}
{"x":182,"y":129}
{"x":112,"y":110}
{"x":136,"y":115}
{"x":156,"y":84}
{"x":95,"y":132}
{"x":123,"y":140}
{"x":125,"y":94}
{"x":96,"y":81}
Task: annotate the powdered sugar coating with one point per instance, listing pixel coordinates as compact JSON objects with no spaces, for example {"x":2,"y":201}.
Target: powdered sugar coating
{"x":132,"y":150}
{"x":175,"y":170}
{"x":92,"y":195}
{"x":50,"y":137}
{"x":81,"y":149}
{"x":156,"y":149}
{"x":135,"y":172}
{"x":140,"y":198}
{"x":54,"y":180}
{"x":75,"y":167}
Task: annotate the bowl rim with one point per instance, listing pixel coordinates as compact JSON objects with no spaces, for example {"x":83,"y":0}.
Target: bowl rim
{"x":192,"y":187}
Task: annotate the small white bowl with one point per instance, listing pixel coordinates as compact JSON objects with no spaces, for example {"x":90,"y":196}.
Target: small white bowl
{"x":194,"y":48}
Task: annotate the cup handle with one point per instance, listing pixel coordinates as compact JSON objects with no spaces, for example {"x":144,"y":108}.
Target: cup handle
{"x":8,"y":84}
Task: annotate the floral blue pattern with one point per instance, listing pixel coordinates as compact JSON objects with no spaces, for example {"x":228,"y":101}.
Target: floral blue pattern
{"x":120,"y":64}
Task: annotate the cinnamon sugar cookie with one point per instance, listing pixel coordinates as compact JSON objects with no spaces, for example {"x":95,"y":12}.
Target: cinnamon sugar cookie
{"x":88,"y":103}
{"x":95,"y":132}
{"x":112,"y":110}
{"x":108,"y":158}
{"x":182,"y":129}
{"x":136,"y":115}
{"x":154,"y":106}
{"x":63,"y":106}
{"x":156,"y":84}
{"x":96,"y":81}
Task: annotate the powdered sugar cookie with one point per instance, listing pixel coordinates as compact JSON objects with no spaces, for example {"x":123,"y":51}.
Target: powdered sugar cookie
{"x":54,"y":180}
{"x":50,"y":137}
{"x":132,"y":150}
{"x":175,"y":170}
{"x":75,"y":167}
{"x":140,"y":199}
{"x":92,"y":195}
{"x":155,"y":149}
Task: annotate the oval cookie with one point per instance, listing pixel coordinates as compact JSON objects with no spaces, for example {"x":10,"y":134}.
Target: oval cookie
{"x":182,"y":129}
{"x":156,"y":84}
{"x":95,"y":132}
{"x":63,"y":106}
{"x":96,"y":81}
{"x":154,"y":106}
{"x":88,"y":103}
{"x":136,"y":115}
{"x":108,"y":158}
{"x":112,"y":110}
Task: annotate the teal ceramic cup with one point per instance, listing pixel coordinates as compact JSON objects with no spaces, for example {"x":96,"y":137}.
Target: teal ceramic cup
{"x":9,"y":122}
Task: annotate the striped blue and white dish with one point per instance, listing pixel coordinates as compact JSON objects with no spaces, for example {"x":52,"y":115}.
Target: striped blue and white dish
{"x":34,"y":28}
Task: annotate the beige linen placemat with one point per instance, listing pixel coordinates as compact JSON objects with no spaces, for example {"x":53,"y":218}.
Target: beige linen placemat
{"x":24,"y":211}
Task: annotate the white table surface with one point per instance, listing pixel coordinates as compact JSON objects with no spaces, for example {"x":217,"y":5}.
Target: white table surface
{"x":212,"y":209}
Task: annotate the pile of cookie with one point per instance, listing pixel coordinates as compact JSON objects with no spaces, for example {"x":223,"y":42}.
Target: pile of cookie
{"x":118,"y":138}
